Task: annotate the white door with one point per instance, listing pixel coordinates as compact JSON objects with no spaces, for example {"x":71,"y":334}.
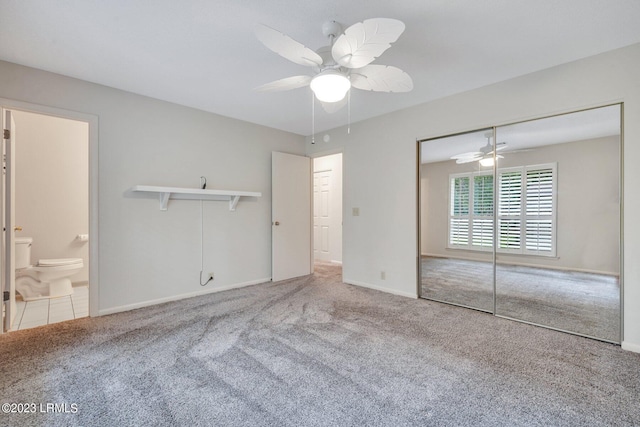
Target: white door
{"x":290,"y":216}
{"x":327,"y":208}
{"x":8,"y":213}
{"x":322,"y":215}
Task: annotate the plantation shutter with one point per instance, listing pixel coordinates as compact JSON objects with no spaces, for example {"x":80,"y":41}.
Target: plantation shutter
{"x":510,"y":210}
{"x":482,"y":224}
{"x":539,"y":210}
{"x":459,"y":215}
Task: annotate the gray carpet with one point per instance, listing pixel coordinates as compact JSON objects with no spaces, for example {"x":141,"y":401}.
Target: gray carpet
{"x":315,"y":352}
{"x":584,"y":303}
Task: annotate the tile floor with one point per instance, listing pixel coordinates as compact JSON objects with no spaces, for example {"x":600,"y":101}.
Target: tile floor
{"x":46,"y":311}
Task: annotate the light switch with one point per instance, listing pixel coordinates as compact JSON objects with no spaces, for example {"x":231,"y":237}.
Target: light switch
{"x":356,"y":211}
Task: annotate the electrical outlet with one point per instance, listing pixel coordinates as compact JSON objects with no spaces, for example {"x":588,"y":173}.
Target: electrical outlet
{"x":210,"y":276}
{"x":383,"y":275}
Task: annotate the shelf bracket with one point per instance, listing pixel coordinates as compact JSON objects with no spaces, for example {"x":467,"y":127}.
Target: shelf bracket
{"x":164,"y":200}
{"x":233,"y":202}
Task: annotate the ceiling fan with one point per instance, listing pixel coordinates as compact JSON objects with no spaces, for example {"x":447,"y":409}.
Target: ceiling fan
{"x":485,"y":152}
{"x":343,"y":64}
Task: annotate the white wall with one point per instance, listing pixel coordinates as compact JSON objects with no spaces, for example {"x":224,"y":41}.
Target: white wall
{"x":149,"y":141}
{"x":147,"y":255}
{"x":333,"y":162}
{"x":588,"y":221}
{"x":52,"y":186}
{"x":384,"y":236}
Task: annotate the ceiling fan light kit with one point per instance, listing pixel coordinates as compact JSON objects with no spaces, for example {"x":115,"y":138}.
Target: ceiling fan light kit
{"x":330,"y":86}
{"x":488,"y":160}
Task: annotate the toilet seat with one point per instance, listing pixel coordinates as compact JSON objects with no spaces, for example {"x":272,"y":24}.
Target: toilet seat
{"x":59,"y":262}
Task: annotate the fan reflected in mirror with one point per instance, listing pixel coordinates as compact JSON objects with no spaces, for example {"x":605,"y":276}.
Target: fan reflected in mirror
{"x":488,"y":161}
{"x":484,"y":155}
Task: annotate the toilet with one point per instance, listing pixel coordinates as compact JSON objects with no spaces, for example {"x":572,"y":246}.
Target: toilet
{"x":49,"y":278}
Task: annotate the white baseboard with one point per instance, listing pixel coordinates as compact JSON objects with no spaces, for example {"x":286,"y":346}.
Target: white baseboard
{"x":381,"y":288}
{"x":128,"y":307}
{"x":630,"y":347}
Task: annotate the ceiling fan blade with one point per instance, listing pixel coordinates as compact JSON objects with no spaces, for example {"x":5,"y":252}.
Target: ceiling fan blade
{"x":520,"y":150}
{"x":468,"y":160}
{"x":500,"y":146}
{"x":488,"y":149}
{"x":381,"y":78}
{"x":363,"y":42}
{"x":285,"y":84}
{"x":467,"y":155}
{"x":287,"y":47}
{"x":332,"y":107}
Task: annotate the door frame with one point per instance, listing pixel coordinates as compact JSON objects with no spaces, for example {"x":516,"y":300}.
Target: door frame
{"x":311,"y":157}
{"x":7,"y":212}
{"x":313,"y":171}
{"x":93,"y":122}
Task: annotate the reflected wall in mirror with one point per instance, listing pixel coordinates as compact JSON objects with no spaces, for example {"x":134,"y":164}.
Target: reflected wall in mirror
{"x":546,"y":194}
{"x":456,"y":221}
{"x":558,"y":216}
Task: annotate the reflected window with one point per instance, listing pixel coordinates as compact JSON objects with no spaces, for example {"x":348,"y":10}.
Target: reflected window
{"x":471,"y":210}
{"x":526,"y":210}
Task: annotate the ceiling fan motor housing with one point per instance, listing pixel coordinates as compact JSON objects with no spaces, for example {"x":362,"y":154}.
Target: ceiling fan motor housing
{"x":327,"y":58}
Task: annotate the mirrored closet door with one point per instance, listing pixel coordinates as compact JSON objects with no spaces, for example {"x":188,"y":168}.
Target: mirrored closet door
{"x":456,"y":221}
{"x":523,"y":221}
{"x":558,"y":222}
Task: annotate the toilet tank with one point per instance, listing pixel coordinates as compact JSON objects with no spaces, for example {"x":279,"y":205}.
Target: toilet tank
{"x":23,"y":252}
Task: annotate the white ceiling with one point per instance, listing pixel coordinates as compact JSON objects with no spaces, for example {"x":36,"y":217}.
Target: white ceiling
{"x":204,"y":54}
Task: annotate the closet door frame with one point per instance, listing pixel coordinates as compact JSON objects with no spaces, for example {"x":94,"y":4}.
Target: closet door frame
{"x":494,"y":128}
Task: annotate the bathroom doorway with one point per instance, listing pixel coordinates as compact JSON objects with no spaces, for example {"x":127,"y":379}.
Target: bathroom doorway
{"x":49,"y":200}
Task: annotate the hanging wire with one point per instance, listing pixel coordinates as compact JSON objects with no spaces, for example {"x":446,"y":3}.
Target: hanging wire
{"x":203,"y":184}
{"x":313,"y":119}
{"x":202,"y":243}
{"x":349,"y":112}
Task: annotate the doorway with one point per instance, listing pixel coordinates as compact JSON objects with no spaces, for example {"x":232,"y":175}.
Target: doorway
{"x":51,"y":210}
{"x":327,"y":209}
{"x":307,"y":239}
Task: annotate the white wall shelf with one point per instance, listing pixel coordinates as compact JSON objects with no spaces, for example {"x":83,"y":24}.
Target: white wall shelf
{"x":166,"y":193}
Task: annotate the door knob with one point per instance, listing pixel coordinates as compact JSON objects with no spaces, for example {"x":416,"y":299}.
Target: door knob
{"x":17,"y":228}
{"x":276,"y":223}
